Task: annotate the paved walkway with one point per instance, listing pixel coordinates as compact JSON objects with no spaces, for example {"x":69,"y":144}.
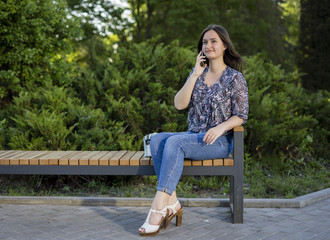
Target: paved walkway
{"x":108,"y":222}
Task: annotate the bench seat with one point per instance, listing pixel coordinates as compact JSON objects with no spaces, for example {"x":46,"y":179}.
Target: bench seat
{"x":126,"y":163}
{"x":93,"y":158}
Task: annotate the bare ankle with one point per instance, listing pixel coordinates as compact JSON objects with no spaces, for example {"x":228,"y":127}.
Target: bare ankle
{"x":173,"y":198}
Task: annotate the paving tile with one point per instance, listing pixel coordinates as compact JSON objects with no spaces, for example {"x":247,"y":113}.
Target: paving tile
{"x":303,"y":235}
{"x":232,"y":236}
{"x":277,"y":236}
{"x":323,"y":236}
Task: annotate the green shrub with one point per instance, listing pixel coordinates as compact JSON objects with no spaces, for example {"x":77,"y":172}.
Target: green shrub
{"x":280,"y":130}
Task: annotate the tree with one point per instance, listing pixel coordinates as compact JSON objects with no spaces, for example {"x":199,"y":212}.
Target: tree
{"x":171,"y":20}
{"x":254,"y":25}
{"x":291,"y":18}
{"x":103,"y":25}
{"x":33,"y":36}
{"x":314,"y":48}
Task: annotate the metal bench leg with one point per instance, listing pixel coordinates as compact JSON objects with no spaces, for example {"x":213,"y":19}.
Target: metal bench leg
{"x":236,"y":198}
{"x":236,"y":181}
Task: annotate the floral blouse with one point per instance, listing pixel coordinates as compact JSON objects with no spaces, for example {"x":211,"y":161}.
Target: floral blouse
{"x":210,"y":106}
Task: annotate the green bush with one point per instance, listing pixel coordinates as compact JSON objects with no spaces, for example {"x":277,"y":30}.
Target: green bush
{"x":284,"y":124}
{"x":318,"y":105}
{"x":138,"y":87}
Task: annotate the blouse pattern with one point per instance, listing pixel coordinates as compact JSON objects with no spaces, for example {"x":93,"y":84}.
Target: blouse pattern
{"x":210,"y":106}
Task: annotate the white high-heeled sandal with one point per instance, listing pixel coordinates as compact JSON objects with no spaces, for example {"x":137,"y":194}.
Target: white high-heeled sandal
{"x":175,"y":213}
{"x":152,"y":230}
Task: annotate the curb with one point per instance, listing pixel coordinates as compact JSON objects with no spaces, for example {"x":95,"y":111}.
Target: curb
{"x":298,"y":202}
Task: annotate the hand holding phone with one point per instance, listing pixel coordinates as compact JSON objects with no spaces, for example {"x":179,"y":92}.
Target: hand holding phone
{"x":204,"y":62}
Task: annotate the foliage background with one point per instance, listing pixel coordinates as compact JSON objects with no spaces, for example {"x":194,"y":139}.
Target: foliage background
{"x":82,"y":75}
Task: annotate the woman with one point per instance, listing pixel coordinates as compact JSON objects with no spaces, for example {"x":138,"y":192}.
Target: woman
{"x":216,"y":93}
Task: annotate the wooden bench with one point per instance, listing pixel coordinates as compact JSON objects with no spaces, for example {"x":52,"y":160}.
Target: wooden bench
{"x":126,"y":163}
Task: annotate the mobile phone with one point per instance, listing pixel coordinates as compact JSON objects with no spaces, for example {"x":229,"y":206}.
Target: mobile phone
{"x":205,"y":61}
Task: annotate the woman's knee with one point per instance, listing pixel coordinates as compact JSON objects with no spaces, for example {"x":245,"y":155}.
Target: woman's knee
{"x":172,"y":141}
{"x":156,"y":140}
{"x":175,"y":143}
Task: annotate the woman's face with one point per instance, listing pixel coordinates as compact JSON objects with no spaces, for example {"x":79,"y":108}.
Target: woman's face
{"x":213,"y":46}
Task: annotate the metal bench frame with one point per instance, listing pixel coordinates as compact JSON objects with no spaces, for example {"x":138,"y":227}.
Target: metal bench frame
{"x":236,"y":172}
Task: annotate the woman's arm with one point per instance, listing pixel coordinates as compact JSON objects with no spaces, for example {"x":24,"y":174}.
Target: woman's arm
{"x":213,"y":133}
{"x":182,"y":98}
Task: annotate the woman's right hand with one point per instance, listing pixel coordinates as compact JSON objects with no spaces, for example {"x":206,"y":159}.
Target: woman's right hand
{"x":182,"y":98}
{"x":198,"y":70}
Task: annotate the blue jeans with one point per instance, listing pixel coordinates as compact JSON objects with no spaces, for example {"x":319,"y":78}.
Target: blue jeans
{"x":168,"y":151}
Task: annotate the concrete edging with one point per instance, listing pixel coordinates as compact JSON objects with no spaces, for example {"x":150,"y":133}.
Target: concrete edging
{"x":298,"y":202}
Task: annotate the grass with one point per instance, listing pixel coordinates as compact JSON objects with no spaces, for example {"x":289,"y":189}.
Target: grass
{"x":260,"y":182}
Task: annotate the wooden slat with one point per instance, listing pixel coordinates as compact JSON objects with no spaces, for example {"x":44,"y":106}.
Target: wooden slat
{"x":94,"y":160}
{"x":35,"y":159}
{"x":228,"y":162}
{"x":65,"y":159}
{"x":43,"y":160}
{"x":5,"y":152}
{"x":124,"y":160}
{"x":196,"y":163}
{"x":17,"y":156}
{"x":187,"y":162}
{"x":135,"y":159}
{"x":14,"y":160}
{"x":74,"y":160}
{"x":9,"y":154}
{"x":218,"y":162}
{"x":53,"y":157}
{"x":4,"y":160}
{"x":84,"y":160}
{"x":208,"y":162}
{"x":105,"y":160}
{"x":55,"y":160}
{"x":114,"y":161}
{"x":25,"y":159}
{"x":145,"y":161}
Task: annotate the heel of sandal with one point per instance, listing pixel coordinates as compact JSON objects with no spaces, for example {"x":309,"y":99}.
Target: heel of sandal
{"x":175,"y":213}
{"x":179,"y":217}
{"x":166,"y":221}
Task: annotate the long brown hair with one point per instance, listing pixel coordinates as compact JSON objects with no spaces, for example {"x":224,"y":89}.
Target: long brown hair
{"x":230,"y":57}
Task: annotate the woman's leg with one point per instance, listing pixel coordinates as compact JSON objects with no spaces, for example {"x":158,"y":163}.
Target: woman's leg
{"x":161,"y":199}
{"x":157,"y":147}
{"x":169,"y":152}
{"x":188,"y":145}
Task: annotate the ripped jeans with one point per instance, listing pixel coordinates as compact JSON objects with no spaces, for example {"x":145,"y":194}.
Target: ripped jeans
{"x":169,"y":150}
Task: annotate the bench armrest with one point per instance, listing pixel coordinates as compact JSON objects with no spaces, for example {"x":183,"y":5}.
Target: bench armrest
{"x":239,"y":129}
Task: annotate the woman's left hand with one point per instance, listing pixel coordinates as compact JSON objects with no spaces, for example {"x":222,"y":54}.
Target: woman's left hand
{"x":213,"y":133}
